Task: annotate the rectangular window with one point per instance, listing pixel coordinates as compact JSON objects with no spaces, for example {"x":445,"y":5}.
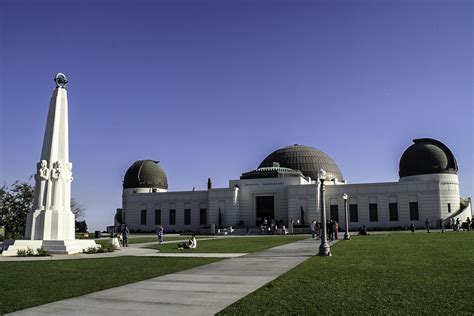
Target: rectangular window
{"x":414,"y":216}
{"x":373,"y":212}
{"x":143,"y":217}
{"x":334,"y":213}
{"x":172,"y":217}
{"x":393,"y":210}
{"x":354,"y":213}
{"x":187,"y":216}
{"x":203,"y":216}
{"x":157,"y":217}
{"x":449,"y":207}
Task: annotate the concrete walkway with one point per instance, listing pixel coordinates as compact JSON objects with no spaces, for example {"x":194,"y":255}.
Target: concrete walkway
{"x":203,"y":290}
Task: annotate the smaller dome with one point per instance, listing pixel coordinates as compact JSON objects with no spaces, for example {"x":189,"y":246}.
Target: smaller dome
{"x":427,"y":156}
{"x":271,"y":172}
{"x":145,"y":174}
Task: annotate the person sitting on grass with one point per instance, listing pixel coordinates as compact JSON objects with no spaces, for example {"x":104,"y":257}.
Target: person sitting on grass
{"x":191,"y":243}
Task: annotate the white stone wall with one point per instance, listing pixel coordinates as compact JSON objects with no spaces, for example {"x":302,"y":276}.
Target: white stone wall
{"x":237,"y":205}
{"x":133,"y":203}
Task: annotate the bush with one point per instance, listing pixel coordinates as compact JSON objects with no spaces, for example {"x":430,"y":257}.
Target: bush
{"x":21,"y":253}
{"x":90,"y":250}
{"x":107,"y":247}
{"x":41,"y":252}
{"x":28,"y":252}
{"x":102,"y":247}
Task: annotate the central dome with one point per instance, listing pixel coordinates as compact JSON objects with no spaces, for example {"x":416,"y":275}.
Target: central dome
{"x":306,"y":159}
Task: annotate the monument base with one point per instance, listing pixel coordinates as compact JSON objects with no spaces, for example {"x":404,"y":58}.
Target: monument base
{"x":65,"y":247}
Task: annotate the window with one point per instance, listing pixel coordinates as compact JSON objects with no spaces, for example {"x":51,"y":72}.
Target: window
{"x":449,"y":207}
{"x":393,"y":210}
{"x":334,"y":213}
{"x":203,"y":216}
{"x":143,"y":217}
{"x":172,"y":217}
{"x":373,"y":212}
{"x":353,"y":213}
{"x":157,"y":217}
{"x":187,"y":216}
{"x":414,"y":216}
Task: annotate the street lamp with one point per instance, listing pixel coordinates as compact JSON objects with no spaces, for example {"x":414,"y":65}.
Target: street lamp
{"x":347,"y":236}
{"x":324,"y":249}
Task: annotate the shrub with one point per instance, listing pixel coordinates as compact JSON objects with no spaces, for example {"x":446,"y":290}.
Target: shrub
{"x":41,"y":252}
{"x":105,"y":246}
{"x":28,"y":252}
{"x":90,"y":250}
{"x":102,"y":247}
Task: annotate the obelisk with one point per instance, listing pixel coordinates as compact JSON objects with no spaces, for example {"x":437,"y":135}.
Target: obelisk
{"x":50,"y":224}
{"x":51,"y":217}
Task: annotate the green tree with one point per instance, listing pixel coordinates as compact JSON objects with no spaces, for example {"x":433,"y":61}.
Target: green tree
{"x":16,"y":202}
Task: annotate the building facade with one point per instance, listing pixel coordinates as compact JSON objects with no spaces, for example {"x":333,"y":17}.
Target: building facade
{"x":285,"y":187}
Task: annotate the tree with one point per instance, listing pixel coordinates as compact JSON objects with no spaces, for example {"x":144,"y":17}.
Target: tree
{"x":16,"y":202}
{"x":77,"y":209}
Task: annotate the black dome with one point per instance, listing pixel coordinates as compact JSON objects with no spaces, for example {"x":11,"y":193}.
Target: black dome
{"x":427,"y":156}
{"x":145,"y":174}
{"x":306,"y":159}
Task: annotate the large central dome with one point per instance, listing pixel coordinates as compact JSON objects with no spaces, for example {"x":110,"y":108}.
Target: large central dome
{"x":306,"y":159}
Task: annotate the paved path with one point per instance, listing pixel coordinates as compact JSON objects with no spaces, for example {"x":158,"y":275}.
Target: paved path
{"x":203,"y":290}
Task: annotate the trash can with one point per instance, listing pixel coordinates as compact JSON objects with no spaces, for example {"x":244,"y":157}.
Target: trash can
{"x":98,"y":234}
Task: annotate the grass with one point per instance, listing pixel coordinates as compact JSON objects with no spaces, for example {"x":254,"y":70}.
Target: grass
{"x":27,"y":284}
{"x":233,"y":244}
{"x":141,"y":240}
{"x":377,"y":274}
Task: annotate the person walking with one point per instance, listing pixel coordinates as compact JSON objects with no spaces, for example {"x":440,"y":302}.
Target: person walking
{"x":336,"y":229}
{"x":312,"y":228}
{"x":427,"y":225}
{"x":330,"y":230}
{"x":468,"y":221}
{"x":160,"y":233}
{"x":125,"y":234}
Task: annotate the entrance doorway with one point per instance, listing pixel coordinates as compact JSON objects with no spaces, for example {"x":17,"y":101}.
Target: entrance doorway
{"x":265,"y":208}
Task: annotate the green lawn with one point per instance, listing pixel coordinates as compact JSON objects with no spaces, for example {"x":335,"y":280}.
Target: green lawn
{"x":27,"y":284}
{"x":233,"y":244}
{"x":141,"y":240}
{"x":378,"y":274}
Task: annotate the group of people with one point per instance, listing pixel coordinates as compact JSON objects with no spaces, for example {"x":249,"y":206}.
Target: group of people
{"x":332,"y":229}
{"x":271,"y":227}
{"x":457,"y":225}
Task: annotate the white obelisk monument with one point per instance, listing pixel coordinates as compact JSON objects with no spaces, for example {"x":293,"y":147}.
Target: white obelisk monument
{"x":50,"y":224}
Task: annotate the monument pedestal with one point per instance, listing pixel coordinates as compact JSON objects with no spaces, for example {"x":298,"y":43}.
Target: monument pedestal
{"x":65,"y":247}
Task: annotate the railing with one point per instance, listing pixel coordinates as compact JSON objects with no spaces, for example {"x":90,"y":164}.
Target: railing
{"x":463,"y":204}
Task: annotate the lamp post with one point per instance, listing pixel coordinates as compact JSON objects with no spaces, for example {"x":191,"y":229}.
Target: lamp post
{"x":324,"y":249}
{"x":347,"y":236}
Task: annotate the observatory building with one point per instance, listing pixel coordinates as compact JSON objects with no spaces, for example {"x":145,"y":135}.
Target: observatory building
{"x":285,"y":187}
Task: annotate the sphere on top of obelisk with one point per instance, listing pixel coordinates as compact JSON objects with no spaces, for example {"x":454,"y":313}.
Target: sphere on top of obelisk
{"x":61,"y":80}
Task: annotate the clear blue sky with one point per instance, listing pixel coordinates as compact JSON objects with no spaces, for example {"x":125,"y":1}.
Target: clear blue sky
{"x":210,"y":88}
